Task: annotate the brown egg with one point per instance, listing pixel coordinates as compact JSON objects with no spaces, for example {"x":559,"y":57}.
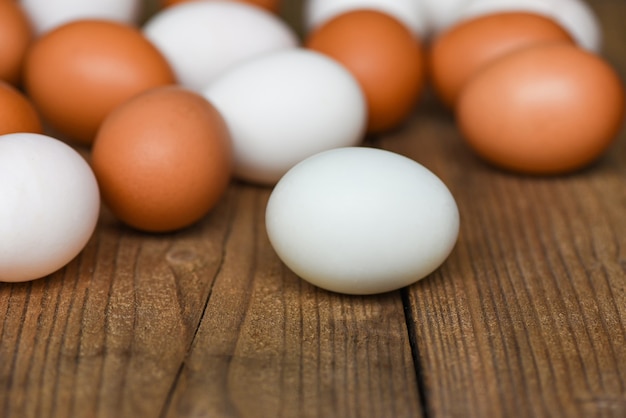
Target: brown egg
{"x":77,"y":73}
{"x":15,"y":36}
{"x":458,"y":53}
{"x":550,"y":108}
{"x":269,"y":5}
{"x":17,"y":114}
{"x":382,"y":54}
{"x":163,"y":159}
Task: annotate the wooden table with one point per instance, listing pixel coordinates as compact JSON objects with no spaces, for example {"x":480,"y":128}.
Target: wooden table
{"x":526,"y":318}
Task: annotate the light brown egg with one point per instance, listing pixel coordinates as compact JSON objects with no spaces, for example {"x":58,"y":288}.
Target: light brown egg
{"x":17,"y":114}
{"x":76,"y":74}
{"x":547,"y":109}
{"x":16,"y":35}
{"x":458,"y":53}
{"x":383,"y":55}
{"x":163,"y":159}
{"x":269,"y":5}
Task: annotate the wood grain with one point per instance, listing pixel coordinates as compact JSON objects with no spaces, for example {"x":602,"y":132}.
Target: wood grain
{"x":525,"y":319}
{"x":527,"y":316}
{"x":271,"y":345}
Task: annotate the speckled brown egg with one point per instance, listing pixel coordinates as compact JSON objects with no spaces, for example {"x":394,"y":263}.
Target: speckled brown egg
{"x":77,"y":73}
{"x":461,"y":51}
{"x":383,"y":55}
{"x":163,"y":159}
{"x":546,"y":109}
{"x":17,"y":114}
{"x":16,"y":35}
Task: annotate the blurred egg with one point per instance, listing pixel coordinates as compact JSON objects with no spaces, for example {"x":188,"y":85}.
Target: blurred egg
{"x":546,"y":109}
{"x":49,"y":207}
{"x":575,"y":16}
{"x":382,"y":54}
{"x":163,"y":159}
{"x":409,"y":12}
{"x":49,"y":14}
{"x":77,"y":73}
{"x":201,"y":39}
{"x":17,"y":114}
{"x":286,"y":106}
{"x":15,"y":37}
{"x":361,"y":220}
{"x":461,"y":51}
{"x":269,"y":5}
{"x":440,"y":14}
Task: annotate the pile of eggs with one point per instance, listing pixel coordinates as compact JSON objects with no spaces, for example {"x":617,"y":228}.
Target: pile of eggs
{"x":167,"y":111}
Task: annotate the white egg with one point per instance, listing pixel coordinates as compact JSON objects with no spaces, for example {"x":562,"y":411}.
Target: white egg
{"x":202,"y":39}
{"x":575,"y":16}
{"x":361,"y":220}
{"x":48,"y":14}
{"x":286,"y":106}
{"x":49,"y":207}
{"x":409,"y":12}
{"x":441,"y":14}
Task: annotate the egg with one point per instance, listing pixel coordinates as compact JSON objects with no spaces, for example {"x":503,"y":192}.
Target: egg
{"x":163,"y":159}
{"x":286,"y":106}
{"x":77,"y":73}
{"x":15,"y":37}
{"x":202,"y":39}
{"x":409,"y":12}
{"x":441,"y":14}
{"x":383,"y":55}
{"x":269,"y":5}
{"x":17,"y":114}
{"x":547,"y":109}
{"x":361,"y":220}
{"x":575,"y":16}
{"x":49,"y":207}
{"x":460,"y":52}
{"x":46,"y":15}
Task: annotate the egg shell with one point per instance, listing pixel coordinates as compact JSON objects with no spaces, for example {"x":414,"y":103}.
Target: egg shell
{"x":202,"y":39}
{"x":17,"y":114}
{"x":269,"y":5}
{"x":46,"y":15}
{"x":49,"y":207}
{"x":464,"y":49}
{"x":575,"y":16}
{"x":286,"y":106}
{"x":163,"y":159}
{"x":409,"y":12}
{"x":79,"y":72}
{"x":441,"y":14}
{"x":16,"y":35}
{"x":383,"y":55}
{"x":547,"y":109}
{"x":361,"y":220}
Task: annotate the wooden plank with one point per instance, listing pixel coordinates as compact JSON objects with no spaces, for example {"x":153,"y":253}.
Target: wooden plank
{"x":106,"y":335}
{"x":527,"y":316}
{"x":271,"y":345}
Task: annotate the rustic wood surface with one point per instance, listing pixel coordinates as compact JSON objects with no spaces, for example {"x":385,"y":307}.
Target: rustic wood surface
{"x":526,"y":318}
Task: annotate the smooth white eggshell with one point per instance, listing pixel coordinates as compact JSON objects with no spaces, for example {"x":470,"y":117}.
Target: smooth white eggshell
{"x":201,"y":39}
{"x":48,"y":14}
{"x":575,"y":16}
{"x":440,"y":14}
{"x":286,"y":106}
{"x":361,"y":220}
{"x":49,"y":207}
{"x":409,"y":12}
